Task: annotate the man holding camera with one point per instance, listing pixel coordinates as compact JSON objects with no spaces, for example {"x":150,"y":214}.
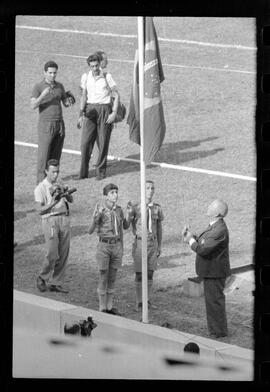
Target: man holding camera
{"x":52,"y":200}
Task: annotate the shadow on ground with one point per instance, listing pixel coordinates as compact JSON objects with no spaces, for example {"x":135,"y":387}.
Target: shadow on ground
{"x":76,"y":231}
{"x":171,"y":153}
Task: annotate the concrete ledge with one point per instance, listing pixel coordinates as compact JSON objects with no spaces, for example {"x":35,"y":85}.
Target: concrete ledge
{"x":38,"y":313}
{"x":46,"y":315}
{"x":120,"y":329}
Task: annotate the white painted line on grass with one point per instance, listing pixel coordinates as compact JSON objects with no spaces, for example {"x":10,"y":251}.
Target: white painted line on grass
{"x":164,"y":165}
{"x":132,"y":62}
{"x":181,"y":41}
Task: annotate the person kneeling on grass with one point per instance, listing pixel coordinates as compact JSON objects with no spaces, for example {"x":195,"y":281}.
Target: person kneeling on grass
{"x":109,"y":220}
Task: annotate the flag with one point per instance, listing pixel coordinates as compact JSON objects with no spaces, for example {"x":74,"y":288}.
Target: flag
{"x":154,"y":122}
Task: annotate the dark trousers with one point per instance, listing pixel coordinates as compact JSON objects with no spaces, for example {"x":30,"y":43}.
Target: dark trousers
{"x":51,"y":135}
{"x":215,"y":306}
{"x":95,"y":129}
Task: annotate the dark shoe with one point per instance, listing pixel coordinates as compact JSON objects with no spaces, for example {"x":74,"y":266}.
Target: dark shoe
{"x":215,"y":335}
{"x":41,"y":284}
{"x":57,"y":289}
{"x":113,"y":311}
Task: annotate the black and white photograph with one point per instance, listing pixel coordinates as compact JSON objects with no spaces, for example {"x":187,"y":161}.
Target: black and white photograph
{"x":134,"y":197}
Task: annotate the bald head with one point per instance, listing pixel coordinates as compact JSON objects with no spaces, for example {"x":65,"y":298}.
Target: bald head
{"x":217,"y":209}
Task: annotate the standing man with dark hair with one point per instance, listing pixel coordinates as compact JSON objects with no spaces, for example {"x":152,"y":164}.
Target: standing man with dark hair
{"x":47,"y":97}
{"x":97,"y":115}
{"x":109,"y":220}
{"x":213,"y":265}
{"x":103,"y":64}
{"x":52,"y":205}
{"x":154,"y":240}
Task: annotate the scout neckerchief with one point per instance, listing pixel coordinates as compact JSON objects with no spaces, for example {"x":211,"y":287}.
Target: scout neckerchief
{"x":149,"y":220}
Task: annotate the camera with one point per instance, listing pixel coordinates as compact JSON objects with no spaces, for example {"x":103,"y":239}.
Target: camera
{"x":82,"y":328}
{"x":58,"y":191}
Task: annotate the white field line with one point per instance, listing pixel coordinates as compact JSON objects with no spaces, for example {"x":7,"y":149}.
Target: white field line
{"x":164,"y":165}
{"x":181,"y":41}
{"x":132,"y":62}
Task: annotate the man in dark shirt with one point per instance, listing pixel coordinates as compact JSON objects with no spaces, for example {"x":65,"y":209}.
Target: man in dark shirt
{"x":213,"y":265}
{"x":47,"y":97}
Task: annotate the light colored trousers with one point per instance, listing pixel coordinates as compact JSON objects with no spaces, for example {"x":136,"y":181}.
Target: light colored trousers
{"x":56,"y":230}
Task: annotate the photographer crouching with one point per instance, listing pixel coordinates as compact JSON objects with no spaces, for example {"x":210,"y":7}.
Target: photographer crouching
{"x":52,"y":200}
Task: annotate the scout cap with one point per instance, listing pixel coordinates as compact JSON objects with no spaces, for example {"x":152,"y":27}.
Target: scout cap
{"x":218,"y":208}
{"x":109,"y":188}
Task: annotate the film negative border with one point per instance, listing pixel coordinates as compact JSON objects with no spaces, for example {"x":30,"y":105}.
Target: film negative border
{"x":262,"y":297}
{"x":7,"y":65}
{"x":262,"y":302}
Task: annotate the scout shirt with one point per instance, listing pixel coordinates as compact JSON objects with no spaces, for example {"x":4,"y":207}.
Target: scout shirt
{"x":110,"y":222}
{"x":152,"y":219}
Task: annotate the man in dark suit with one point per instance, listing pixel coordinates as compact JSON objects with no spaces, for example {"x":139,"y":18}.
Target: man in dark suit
{"x":213,"y":265}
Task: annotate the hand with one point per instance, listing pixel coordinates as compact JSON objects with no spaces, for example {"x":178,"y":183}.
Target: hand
{"x":129,"y":208}
{"x":68,"y":102}
{"x":111,"y":118}
{"x":188,"y":236}
{"x":97,"y":212}
{"x":158,"y":252}
{"x":46,"y":92}
{"x":80,"y":122}
{"x":56,"y":197}
{"x":184,"y":231}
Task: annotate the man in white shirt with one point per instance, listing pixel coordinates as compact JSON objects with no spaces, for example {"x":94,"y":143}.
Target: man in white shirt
{"x":54,"y":211}
{"x":213,"y":265}
{"x":97,"y":114}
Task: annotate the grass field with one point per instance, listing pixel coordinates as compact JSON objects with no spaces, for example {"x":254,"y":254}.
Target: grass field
{"x":209,"y":103}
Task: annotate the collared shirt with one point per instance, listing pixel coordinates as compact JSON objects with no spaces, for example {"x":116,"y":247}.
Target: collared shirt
{"x":43,"y":195}
{"x":154,"y":215}
{"x":50,"y":108}
{"x":110,"y":222}
{"x":97,"y":88}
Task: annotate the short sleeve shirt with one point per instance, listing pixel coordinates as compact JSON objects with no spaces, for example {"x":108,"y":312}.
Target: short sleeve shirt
{"x":42,"y":195}
{"x":97,"y":88}
{"x":106,"y":225}
{"x":51,"y":108}
{"x":156,"y":216}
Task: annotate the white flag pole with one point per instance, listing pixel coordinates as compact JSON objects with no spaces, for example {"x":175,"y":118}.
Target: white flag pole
{"x":142,"y":171}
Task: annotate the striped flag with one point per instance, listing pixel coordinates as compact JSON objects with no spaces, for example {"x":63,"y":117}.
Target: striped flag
{"x":154,"y":123}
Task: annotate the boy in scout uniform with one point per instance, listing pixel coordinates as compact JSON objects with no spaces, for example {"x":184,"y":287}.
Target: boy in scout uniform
{"x":154,"y":238}
{"x":109,"y":221}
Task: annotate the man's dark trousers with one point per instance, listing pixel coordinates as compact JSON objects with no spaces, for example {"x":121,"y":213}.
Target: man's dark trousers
{"x":51,"y":135}
{"x":215,"y":306}
{"x":95,"y":127}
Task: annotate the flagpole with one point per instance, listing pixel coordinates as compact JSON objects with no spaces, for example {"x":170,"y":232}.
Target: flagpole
{"x":142,"y":171}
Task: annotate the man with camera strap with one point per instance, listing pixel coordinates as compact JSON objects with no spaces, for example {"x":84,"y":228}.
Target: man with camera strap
{"x":52,"y":200}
